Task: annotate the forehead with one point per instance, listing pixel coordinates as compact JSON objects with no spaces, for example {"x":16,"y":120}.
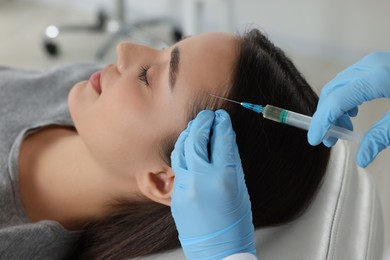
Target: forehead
{"x":207,"y":61}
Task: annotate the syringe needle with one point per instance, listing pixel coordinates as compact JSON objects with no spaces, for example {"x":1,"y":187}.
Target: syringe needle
{"x":256,"y":108}
{"x":226,"y":99}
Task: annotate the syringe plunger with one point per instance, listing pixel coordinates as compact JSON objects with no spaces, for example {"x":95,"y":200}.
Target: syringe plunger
{"x":303,"y":121}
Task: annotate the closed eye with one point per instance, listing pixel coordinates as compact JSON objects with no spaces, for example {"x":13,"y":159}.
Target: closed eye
{"x":143,"y":75}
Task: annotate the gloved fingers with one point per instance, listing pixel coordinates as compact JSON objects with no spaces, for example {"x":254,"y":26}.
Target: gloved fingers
{"x":345,"y":122}
{"x":372,"y":73}
{"x":178,"y":155}
{"x":374,"y":141}
{"x":222,"y":141}
{"x":377,"y":65}
{"x":330,"y":141}
{"x":179,"y":167}
{"x":325,"y":116}
{"x":354,"y":87}
{"x":333,"y":85}
{"x":345,"y":99}
{"x":353,"y":112}
{"x":322,"y":121}
{"x":197,"y":142}
{"x":331,"y":107}
{"x":344,"y":93}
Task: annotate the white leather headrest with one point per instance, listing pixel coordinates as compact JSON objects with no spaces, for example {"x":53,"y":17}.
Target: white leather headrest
{"x":343,"y":222}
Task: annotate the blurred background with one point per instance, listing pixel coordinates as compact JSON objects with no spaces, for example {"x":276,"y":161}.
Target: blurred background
{"x":322,"y":37}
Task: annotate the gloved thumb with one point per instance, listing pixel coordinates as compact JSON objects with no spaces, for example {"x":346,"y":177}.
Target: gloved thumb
{"x":374,"y":141}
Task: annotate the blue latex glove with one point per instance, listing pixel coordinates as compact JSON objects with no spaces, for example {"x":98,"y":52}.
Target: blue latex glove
{"x":366,"y":80}
{"x":210,"y":202}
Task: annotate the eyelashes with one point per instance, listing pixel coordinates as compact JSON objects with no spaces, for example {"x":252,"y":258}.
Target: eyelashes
{"x":142,"y":74}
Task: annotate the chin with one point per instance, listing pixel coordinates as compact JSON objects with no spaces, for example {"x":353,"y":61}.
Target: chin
{"x":74,"y":97}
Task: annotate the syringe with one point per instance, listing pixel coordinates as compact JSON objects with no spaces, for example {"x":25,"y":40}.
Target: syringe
{"x":301,"y":121}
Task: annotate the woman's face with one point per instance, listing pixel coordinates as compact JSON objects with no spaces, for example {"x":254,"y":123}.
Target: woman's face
{"x":144,"y":98}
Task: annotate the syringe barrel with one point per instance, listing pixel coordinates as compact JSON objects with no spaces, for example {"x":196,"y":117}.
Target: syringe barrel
{"x":303,"y":122}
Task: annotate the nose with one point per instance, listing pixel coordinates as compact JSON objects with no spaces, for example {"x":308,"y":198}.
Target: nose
{"x":129,"y":53}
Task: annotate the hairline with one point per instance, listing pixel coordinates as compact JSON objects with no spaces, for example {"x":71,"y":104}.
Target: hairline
{"x":203,"y":100}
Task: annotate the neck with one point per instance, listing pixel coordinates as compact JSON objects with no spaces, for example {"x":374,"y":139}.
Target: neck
{"x":60,"y":181}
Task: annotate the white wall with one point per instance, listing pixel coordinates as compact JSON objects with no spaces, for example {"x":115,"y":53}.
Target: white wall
{"x":328,"y":29}
{"x":135,"y":8}
{"x":341,"y":29}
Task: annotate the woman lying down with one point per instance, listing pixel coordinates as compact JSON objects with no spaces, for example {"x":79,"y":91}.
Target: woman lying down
{"x":85,"y":168}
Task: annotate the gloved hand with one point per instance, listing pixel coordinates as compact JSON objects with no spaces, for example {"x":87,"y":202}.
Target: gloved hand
{"x":366,"y":80}
{"x":210,"y":202}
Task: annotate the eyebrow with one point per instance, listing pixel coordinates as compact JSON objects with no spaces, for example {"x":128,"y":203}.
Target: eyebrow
{"x":174,"y":67}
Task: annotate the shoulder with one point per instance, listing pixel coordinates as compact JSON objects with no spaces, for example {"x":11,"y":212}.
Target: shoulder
{"x":66,"y":72}
{"x":43,"y":240}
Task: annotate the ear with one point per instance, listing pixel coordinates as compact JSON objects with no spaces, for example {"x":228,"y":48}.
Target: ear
{"x":157,"y":185}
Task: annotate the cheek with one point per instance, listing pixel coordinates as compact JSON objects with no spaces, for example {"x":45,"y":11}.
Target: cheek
{"x":121,"y":116}
{"x":125,"y":125}
{"x":122,"y":130}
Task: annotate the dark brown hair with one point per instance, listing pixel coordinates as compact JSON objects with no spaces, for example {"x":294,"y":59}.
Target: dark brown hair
{"x":282,"y":171}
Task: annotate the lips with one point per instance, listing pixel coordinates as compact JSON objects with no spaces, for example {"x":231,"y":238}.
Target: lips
{"x":95,"y":82}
